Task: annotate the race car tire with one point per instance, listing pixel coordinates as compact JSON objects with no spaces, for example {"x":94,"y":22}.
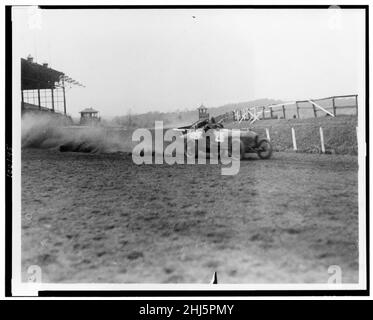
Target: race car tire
{"x":264,"y":149}
{"x":242,"y":152}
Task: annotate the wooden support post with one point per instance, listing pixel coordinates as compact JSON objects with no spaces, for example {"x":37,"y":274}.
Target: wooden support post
{"x":23,"y":101}
{"x":297,"y":110}
{"x":283,"y":111}
{"x":294,"y":140}
{"x":271,"y":111}
{"x":268,"y":136}
{"x":39,"y":99}
{"x":52,"y":99}
{"x":264,"y":114}
{"x":64,"y":97}
{"x":322,"y":140}
{"x":334,"y":108}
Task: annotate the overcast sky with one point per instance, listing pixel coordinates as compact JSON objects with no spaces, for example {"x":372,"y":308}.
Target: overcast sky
{"x":165,"y":60}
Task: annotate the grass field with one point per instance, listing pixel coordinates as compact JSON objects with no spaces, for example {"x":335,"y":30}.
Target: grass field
{"x":339,"y":133}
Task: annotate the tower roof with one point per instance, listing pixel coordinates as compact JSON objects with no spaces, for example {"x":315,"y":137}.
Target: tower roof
{"x":202,"y":107}
{"x":89,"y":110}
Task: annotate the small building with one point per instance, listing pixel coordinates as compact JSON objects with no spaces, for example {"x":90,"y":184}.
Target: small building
{"x":89,"y":116}
{"x":202,"y":112}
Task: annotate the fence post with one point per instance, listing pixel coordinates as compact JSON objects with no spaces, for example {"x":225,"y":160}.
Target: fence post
{"x":356,"y":105}
{"x":271,"y":111}
{"x":314,"y":110}
{"x":297,"y":110}
{"x":264,"y":114}
{"x":334,"y":108}
{"x":268,"y":136}
{"x":294,"y":140}
{"x":322,"y":140}
{"x":283,"y":111}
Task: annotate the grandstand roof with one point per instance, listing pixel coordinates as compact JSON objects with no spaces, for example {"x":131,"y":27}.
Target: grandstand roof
{"x":37,"y":76}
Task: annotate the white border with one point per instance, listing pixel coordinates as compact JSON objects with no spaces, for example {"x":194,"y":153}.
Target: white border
{"x":22,"y":289}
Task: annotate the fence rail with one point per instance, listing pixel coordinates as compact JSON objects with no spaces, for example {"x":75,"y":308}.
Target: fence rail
{"x":322,"y":106}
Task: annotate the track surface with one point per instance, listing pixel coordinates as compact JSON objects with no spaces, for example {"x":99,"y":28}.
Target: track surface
{"x":100,"y":218}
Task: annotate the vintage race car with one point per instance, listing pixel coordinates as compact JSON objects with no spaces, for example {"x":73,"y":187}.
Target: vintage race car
{"x":215,"y":138}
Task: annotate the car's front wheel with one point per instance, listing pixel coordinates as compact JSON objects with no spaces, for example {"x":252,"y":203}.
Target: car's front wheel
{"x":264,"y":149}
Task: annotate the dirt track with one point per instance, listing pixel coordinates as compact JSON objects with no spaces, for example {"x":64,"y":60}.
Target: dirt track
{"x":104,"y":219}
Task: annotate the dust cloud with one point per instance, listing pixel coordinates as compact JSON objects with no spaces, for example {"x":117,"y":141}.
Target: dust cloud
{"x":51,"y":131}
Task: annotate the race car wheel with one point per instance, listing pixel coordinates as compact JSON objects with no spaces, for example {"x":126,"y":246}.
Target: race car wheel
{"x":242,"y":152}
{"x":264,"y":149}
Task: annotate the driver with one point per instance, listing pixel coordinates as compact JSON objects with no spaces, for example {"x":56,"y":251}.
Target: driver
{"x":212,"y":125}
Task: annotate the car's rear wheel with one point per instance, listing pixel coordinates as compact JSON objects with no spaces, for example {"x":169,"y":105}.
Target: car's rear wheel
{"x":189,"y":152}
{"x":264,"y":149}
{"x":236,"y":156}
